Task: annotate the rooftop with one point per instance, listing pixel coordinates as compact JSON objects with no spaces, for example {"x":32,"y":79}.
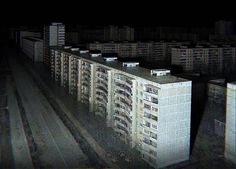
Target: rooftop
{"x":33,"y":39}
{"x":232,"y":85}
{"x":136,"y":71}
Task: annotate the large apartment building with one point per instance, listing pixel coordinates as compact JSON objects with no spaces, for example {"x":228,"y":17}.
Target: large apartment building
{"x":212,"y":60}
{"x":148,"y":109}
{"x":230,"y":130}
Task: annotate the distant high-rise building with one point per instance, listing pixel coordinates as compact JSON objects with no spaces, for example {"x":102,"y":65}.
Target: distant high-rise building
{"x":230,"y":131}
{"x":115,"y":33}
{"x":111,"y":33}
{"x":72,"y":37}
{"x":126,"y":33}
{"x":224,"y":27}
{"x":54,"y":35}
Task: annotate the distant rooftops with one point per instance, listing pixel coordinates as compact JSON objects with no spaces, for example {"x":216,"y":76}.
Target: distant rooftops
{"x":220,"y":82}
{"x":206,"y":45}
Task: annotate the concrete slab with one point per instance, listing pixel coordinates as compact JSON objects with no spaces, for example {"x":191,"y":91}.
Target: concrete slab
{"x":20,"y":149}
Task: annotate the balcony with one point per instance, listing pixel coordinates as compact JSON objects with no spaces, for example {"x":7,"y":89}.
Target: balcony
{"x":126,"y":102}
{"x":123,"y":112}
{"x":102,"y":89}
{"x":121,"y":123}
{"x":149,"y":142}
{"x":124,"y":93}
{"x":101,"y":108}
{"x":124,"y":117}
{"x":102,"y":75}
{"x":123,"y":84}
{"x":86,"y":73}
{"x":123,"y":106}
{"x":126,"y":97}
{"x":101,"y":93}
{"x":150,"y":116}
{"x":101,"y":83}
{"x":101,"y":102}
{"x":121,"y":129}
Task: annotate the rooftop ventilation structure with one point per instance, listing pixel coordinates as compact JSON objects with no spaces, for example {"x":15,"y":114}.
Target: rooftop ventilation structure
{"x":130,"y":64}
{"x":95,"y":53}
{"x":183,"y":47}
{"x":56,"y":23}
{"x":67,"y":47}
{"x":160,"y":72}
{"x":199,"y":46}
{"x":110,"y":59}
{"x":74,"y":49}
{"x":83,"y":51}
{"x":226,"y":45}
{"x":213,"y":46}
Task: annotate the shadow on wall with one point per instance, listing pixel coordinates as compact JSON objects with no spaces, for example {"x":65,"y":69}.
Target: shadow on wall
{"x":199,"y":96}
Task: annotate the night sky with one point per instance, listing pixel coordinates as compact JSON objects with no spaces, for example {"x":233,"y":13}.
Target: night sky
{"x":138,"y":13}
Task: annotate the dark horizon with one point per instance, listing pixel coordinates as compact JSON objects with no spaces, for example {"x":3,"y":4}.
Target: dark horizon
{"x":186,"y":14}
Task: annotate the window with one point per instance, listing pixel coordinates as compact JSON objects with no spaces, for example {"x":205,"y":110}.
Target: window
{"x":154,"y":117}
{"x":154,"y":126}
{"x":147,"y":106}
{"x":154,"y":153}
{"x":146,"y":131}
{"x":150,"y":116}
{"x":154,"y":100}
{"x":146,"y":97}
{"x":147,"y":124}
{"x":153,"y":135}
{"x":154,"y":109}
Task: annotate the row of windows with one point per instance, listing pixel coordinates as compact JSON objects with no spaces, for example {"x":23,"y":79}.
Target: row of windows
{"x":150,"y":116}
{"x":150,"y":142}
{"x":151,"y":134}
{"x":149,"y":107}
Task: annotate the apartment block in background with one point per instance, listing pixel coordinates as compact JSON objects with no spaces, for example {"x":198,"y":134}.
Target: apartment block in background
{"x":33,"y":48}
{"x":20,"y":34}
{"x":54,"y":35}
{"x":150,"y":51}
{"x":211,"y":60}
{"x":72,"y":37}
{"x":230,"y":130}
{"x":224,"y":27}
{"x":126,"y":33}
